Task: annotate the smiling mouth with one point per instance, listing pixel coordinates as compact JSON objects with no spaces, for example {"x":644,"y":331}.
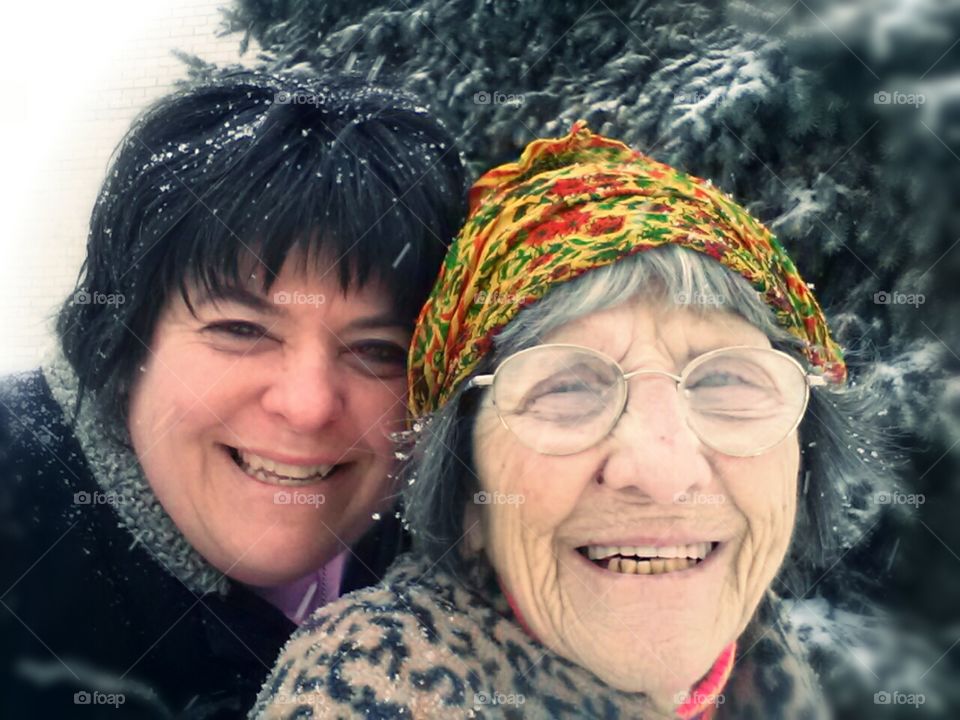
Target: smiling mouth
{"x":275,"y":473}
{"x":648,"y":560}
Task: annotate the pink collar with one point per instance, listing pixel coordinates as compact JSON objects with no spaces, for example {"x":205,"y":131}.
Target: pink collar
{"x":299,"y":598}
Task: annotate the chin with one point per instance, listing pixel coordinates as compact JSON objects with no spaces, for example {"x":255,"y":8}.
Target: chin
{"x":267,"y":572}
{"x":266,"y":577}
{"x":277,"y":558}
{"x":663,"y":671}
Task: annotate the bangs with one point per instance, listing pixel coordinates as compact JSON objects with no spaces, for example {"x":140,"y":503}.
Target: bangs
{"x":362,"y":200}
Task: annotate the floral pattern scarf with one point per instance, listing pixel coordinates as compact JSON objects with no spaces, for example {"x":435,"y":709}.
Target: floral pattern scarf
{"x":573,"y":204}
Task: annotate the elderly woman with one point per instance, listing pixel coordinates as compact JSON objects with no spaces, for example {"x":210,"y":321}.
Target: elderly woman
{"x":611,"y":380}
{"x":198,"y":466}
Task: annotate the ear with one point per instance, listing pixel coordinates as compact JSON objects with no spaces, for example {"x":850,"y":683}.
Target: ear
{"x":473,"y":529}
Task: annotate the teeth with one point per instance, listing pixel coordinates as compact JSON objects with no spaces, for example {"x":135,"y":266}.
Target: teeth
{"x":697,"y":551}
{"x":648,"y":560}
{"x":659,"y":566}
{"x":270,"y":471}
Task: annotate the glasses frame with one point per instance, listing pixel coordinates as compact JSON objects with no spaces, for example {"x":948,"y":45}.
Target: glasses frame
{"x":810,"y":380}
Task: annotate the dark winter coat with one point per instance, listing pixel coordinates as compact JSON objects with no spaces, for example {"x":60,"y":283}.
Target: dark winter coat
{"x":103,"y":601}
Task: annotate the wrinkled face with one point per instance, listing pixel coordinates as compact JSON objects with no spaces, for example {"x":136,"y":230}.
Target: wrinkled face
{"x":651,"y":488}
{"x":261,"y":423}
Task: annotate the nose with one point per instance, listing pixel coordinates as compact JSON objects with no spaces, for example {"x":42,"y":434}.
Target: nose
{"x":306,"y":392}
{"x":652,"y":449}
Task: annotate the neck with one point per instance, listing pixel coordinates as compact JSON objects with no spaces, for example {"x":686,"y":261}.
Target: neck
{"x":699,"y":702}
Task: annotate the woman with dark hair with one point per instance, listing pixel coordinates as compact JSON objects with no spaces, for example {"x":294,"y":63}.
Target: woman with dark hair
{"x":205,"y":459}
{"x":632,"y":423}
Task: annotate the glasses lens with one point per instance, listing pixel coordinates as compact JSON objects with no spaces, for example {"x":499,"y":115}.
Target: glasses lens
{"x":558,"y":400}
{"x":746,"y":400}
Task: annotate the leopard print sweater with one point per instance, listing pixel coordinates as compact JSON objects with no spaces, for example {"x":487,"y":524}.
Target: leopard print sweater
{"x":424,"y":644}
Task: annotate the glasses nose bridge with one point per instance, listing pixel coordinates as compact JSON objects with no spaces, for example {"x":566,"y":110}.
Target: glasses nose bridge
{"x":627,"y":377}
{"x":677,"y":379}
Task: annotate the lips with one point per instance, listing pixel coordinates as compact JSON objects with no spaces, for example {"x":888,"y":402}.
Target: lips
{"x":648,"y":559}
{"x":273,"y":472}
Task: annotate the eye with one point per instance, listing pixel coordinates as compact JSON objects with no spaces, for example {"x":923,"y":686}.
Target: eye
{"x":730,"y":372}
{"x":237,"y":330}
{"x":734,"y":387}
{"x":719,"y":378}
{"x":380,"y":358}
{"x":563,"y":387}
{"x":566,"y":395}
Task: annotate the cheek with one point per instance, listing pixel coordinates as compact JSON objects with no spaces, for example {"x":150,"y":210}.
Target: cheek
{"x":185,"y":392}
{"x":377,"y":408}
{"x":764,"y":490}
{"x":525,"y":489}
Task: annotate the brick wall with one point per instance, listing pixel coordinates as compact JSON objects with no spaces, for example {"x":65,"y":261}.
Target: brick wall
{"x":41,"y":252}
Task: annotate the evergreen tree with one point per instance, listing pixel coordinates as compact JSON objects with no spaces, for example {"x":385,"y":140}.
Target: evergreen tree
{"x":837,"y":124}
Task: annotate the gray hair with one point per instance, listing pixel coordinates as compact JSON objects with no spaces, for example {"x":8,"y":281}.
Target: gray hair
{"x":838,"y":475}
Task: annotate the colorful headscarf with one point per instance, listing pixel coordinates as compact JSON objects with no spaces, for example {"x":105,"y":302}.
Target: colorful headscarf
{"x":573,"y":204}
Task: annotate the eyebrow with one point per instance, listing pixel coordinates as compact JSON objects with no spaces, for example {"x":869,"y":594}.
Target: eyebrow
{"x":258,"y":303}
{"x":376,"y":322}
{"x":240,"y":296}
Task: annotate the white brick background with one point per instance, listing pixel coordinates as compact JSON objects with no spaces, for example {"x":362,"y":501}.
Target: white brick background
{"x":101,"y":65}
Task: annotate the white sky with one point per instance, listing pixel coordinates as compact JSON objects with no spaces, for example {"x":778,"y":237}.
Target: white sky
{"x":60,"y":60}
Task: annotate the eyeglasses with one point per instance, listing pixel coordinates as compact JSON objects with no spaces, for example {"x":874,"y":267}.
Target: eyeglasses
{"x":560,"y":399}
